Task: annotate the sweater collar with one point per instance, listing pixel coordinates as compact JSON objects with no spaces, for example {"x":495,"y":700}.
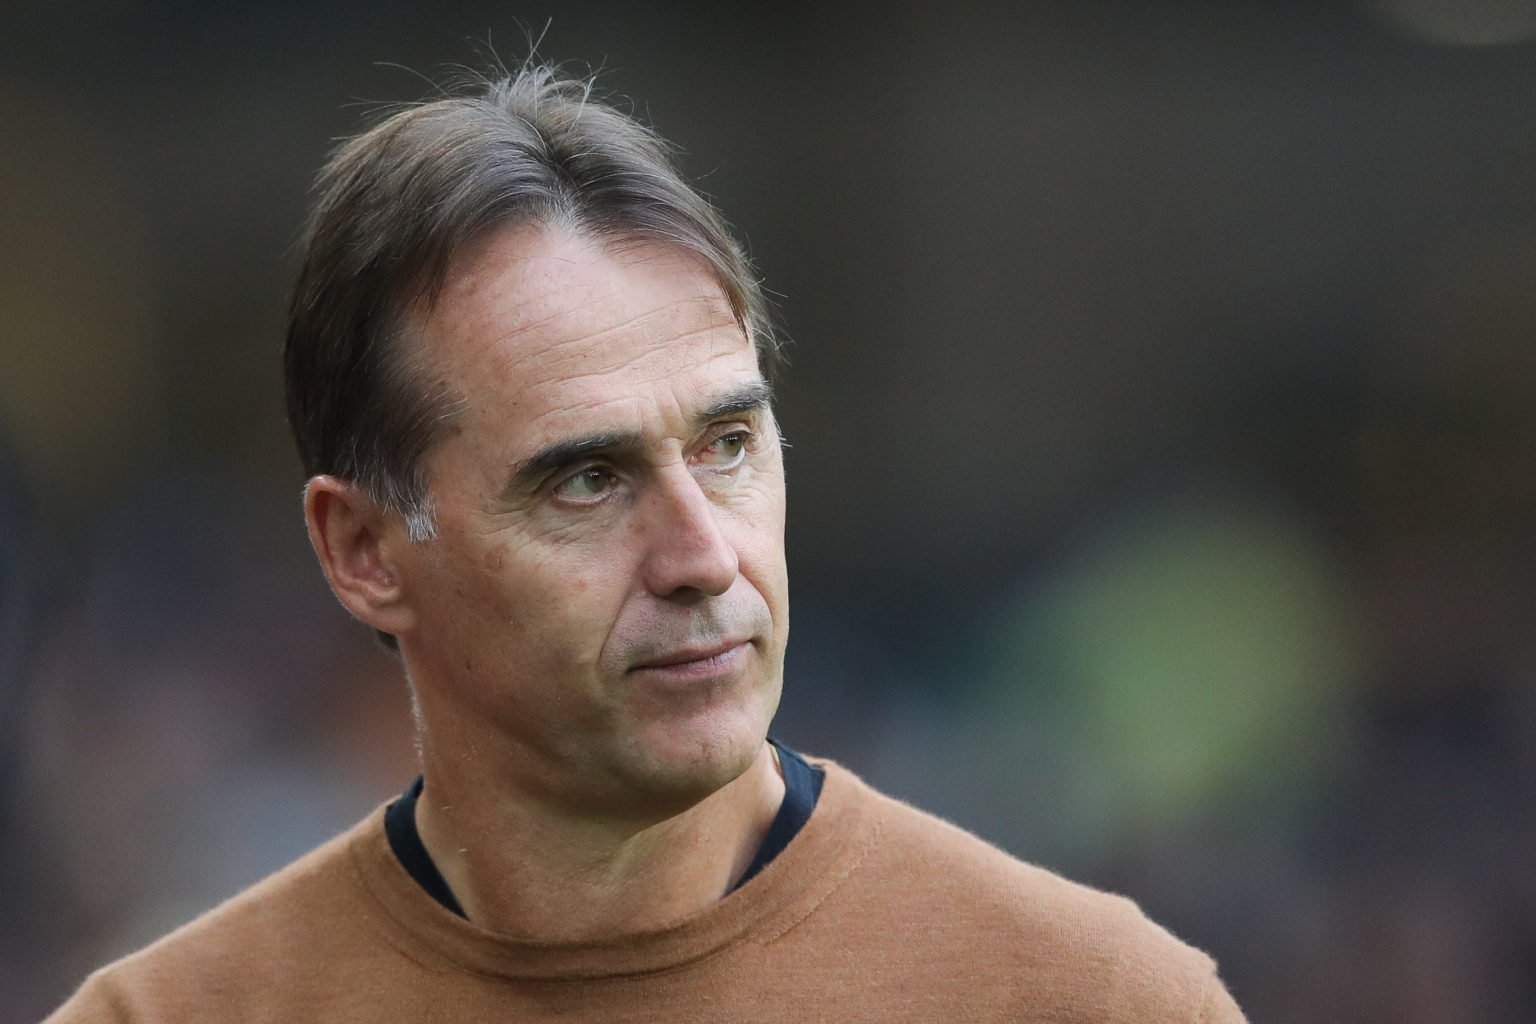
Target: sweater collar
{"x":824,"y":852}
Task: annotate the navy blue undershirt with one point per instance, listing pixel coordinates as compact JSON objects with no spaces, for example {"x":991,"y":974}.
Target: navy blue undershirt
{"x":802,"y":788}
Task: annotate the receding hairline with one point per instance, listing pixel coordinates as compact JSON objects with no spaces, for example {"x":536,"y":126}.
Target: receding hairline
{"x":398,"y":204}
{"x":708,"y":237}
{"x":499,"y":248}
{"x":411,"y":346}
{"x":529,"y":233}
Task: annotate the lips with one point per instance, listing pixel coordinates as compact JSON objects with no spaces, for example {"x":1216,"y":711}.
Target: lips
{"x":690,"y":656}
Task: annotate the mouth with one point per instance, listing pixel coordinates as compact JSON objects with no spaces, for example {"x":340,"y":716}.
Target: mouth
{"x":697,"y":662}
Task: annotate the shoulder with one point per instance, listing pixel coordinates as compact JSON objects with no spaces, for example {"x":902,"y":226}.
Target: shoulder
{"x":288,"y":921}
{"x":1044,"y":942}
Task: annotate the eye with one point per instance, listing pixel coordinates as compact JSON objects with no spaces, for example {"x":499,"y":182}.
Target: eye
{"x":587,"y":484}
{"x":724,"y":451}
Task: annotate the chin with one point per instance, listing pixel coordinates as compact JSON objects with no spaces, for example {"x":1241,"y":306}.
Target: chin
{"x":687,"y":762}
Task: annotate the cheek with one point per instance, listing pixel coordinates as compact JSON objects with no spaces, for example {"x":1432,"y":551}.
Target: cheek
{"x":472,"y":594}
{"x":560,"y":603}
{"x":758,"y":536}
{"x":495,"y":560}
{"x":757,"y":512}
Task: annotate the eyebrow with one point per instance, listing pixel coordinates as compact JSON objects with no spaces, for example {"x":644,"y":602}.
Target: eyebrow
{"x":751,"y":397}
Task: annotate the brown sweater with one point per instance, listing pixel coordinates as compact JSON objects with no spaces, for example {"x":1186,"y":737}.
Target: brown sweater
{"x":875,"y":912}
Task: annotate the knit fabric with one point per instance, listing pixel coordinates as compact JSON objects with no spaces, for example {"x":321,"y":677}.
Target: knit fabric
{"x":875,"y":912}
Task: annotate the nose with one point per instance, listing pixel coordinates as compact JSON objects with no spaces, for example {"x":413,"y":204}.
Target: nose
{"x":687,"y":553}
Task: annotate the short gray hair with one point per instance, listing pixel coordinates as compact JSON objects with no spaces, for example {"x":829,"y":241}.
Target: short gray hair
{"x":394,"y":205}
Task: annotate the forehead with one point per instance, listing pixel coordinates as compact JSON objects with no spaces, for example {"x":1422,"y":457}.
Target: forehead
{"x":544,"y":327}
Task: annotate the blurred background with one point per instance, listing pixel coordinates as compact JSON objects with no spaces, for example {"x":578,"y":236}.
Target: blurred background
{"x":1163,"y":467}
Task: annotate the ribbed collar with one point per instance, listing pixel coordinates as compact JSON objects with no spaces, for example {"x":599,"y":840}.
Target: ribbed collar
{"x":827,"y":849}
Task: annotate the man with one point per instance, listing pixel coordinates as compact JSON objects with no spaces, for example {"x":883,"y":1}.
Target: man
{"x":525,"y":372}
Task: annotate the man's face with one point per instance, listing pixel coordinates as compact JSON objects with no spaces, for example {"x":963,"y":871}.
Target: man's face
{"x":606,"y":599}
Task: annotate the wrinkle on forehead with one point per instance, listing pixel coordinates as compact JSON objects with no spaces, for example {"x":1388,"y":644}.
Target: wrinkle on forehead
{"x":666,"y":400}
{"x":537,"y":302}
{"x":651,"y":357}
{"x":551,"y":328}
{"x":549,"y":280}
{"x":655,"y":421}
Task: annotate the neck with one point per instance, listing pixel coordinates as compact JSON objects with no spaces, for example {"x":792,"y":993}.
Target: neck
{"x":521,"y":869}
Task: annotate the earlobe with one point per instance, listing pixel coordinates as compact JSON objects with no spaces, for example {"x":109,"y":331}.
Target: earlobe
{"x":352,"y":538}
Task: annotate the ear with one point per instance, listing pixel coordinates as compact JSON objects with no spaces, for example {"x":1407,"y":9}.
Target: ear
{"x":354,"y":538}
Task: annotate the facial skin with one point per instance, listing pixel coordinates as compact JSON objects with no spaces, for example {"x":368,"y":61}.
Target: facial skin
{"x":601,"y":618}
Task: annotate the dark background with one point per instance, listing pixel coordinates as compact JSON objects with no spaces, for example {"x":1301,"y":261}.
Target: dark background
{"x":1162,"y":475}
